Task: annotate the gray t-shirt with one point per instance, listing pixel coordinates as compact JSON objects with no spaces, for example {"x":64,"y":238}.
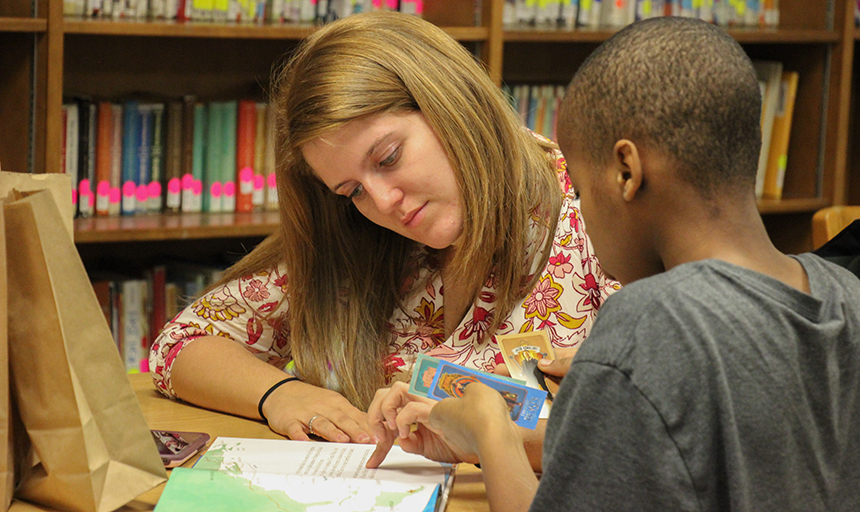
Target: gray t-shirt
{"x":711,"y":387}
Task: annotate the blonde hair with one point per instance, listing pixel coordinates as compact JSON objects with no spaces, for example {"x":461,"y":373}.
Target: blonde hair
{"x":345,"y":273}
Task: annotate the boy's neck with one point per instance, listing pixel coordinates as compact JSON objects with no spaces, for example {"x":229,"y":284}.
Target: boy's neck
{"x":732,"y":231}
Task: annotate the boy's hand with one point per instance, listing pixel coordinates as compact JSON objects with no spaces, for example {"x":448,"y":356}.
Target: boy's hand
{"x":394,"y":413}
{"x":558,"y":367}
{"x":471,"y":422}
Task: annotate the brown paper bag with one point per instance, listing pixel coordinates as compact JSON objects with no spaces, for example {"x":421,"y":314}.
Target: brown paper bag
{"x":91,"y":448}
{"x":7,"y":473}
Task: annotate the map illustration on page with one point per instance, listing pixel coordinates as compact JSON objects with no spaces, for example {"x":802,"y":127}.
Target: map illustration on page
{"x":277,"y":475}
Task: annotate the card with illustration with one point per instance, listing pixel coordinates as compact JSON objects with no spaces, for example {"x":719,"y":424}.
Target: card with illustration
{"x":422,"y":374}
{"x":524,"y":403}
{"x":521,"y":352}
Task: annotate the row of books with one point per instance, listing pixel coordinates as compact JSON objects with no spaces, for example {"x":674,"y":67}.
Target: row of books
{"x":137,"y":308}
{"x":241,"y":11}
{"x":538,"y":105}
{"x":618,"y":13}
{"x":135,"y":157}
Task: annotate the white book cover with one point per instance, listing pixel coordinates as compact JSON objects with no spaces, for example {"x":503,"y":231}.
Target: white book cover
{"x":296,"y":475}
{"x":133,"y":323}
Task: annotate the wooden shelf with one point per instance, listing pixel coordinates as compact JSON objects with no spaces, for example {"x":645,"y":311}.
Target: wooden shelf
{"x":166,"y":28}
{"x":768,"y":206}
{"x":35,"y":25}
{"x":598,"y":35}
{"x":185,"y":226}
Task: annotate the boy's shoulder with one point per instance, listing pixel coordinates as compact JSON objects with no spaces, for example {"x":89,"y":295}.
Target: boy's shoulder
{"x":703,"y":306}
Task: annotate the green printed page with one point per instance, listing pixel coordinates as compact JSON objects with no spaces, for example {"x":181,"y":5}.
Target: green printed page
{"x":261,"y":475}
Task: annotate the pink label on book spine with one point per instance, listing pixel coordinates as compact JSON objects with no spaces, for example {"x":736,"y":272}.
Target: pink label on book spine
{"x":273,"y":181}
{"x":259,"y":182}
{"x":115,"y":195}
{"x":103,"y":189}
{"x":128,"y":189}
{"x":174,"y":186}
{"x":84,"y":186}
{"x":246,"y":174}
{"x":215,"y":189}
{"x":142,"y":193}
{"x":230,"y":189}
{"x":74,"y":196}
{"x":197,"y":187}
{"x":154,"y":189}
{"x":187,"y":182}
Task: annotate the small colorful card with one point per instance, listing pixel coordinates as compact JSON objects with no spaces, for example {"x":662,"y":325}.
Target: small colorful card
{"x":521,"y":352}
{"x":524,"y":403}
{"x":424,"y":370}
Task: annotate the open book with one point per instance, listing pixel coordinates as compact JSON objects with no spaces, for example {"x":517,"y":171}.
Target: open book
{"x":278,"y":475}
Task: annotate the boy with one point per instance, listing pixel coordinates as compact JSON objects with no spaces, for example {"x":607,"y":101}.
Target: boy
{"x":725,"y":375}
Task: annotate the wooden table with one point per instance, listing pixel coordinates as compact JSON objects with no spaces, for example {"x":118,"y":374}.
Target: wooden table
{"x":162,"y":414}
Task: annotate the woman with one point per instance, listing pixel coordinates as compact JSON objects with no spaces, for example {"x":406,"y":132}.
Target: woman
{"x":418,"y":216}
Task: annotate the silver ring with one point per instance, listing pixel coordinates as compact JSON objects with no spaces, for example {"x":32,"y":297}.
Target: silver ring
{"x":311,"y":425}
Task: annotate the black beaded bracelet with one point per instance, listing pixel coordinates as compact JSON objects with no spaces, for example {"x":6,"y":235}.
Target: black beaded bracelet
{"x":269,"y":392}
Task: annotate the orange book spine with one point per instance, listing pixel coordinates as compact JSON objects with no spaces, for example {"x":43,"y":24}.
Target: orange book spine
{"x":104,"y":151}
{"x":245,"y":143}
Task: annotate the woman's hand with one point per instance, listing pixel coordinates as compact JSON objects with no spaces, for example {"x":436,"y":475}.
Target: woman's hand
{"x":394,"y":413}
{"x":293,"y":408}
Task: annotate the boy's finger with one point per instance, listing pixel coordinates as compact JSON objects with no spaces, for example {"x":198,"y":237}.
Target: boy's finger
{"x":556,"y":367}
{"x":382,"y":448}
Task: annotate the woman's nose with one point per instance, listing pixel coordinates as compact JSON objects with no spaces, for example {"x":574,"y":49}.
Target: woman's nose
{"x":385,"y":194}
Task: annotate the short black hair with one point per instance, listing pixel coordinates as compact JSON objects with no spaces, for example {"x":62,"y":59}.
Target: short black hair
{"x":680,"y":86}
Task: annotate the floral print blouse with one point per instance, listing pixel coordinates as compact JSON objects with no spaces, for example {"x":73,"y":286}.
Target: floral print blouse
{"x":251,"y":310}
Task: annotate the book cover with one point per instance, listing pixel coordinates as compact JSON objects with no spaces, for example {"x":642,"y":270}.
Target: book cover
{"x":104,"y":158}
{"x":212,"y":185}
{"x":280,"y":474}
{"x":154,"y":201}
{"x":229,"y":118}
{"x":173,"y":158}
{"x":769,"y":73}
{"x":569,"y":12}
{"x":778,"y":152}
{"x":130,"y":159}
{"x":246,"y":138}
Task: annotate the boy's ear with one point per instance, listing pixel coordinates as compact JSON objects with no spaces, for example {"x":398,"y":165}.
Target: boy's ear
{"x":628,"y":168}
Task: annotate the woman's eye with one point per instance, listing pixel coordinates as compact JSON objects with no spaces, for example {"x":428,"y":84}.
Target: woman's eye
{"x":390,"y":159}
{"x":356,"y":192}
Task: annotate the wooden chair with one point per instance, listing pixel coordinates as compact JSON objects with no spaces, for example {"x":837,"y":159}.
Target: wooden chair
{"x":828,"y":222}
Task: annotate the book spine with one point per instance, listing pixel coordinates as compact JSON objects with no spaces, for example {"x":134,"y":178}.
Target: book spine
{"x":212,"y":186}
{"x":245,"y":152}
{"x":133,"y":323}
{"x":156,"y":176}
{"x":86,"y":155}
{"x":72,"y":127}
{"x":173,"y":160}
{"x":228,"y":156}
{"x":258,"y":198}
{"x":116,"y":160}
{"x":130,"y":161}
{"x":190,"y":127}
{"x":192,"y":188}
{"x":104,"y":151}
{"x":271,"y":178}
{"x":144,"y":151}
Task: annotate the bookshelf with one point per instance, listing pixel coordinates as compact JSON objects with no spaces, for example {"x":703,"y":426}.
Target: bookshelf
{"x":49,"y":57}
